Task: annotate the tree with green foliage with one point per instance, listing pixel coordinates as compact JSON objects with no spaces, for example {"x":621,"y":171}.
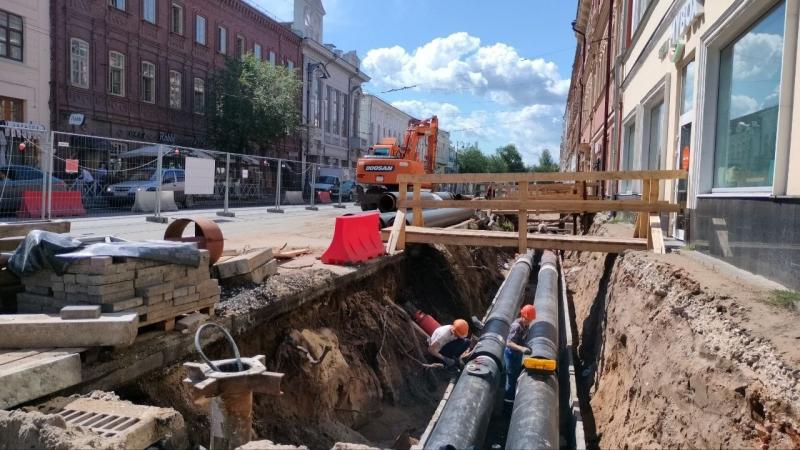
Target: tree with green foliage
{"x":546,"y":163}
{"x":472,"y":160}
{"x":512,"y":158}
{"x":251,"y":104}
{"x":496,"y":164}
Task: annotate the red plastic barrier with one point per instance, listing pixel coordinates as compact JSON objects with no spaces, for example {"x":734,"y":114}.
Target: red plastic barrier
{"x":63,"y":204}
{"x":323,"y":197}
{"x":426,"y":322}
{"x":356,"y":238}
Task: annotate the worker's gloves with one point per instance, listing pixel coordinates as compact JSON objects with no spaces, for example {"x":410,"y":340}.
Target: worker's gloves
{"x":527,"y":351}
{"x":449,"y":362}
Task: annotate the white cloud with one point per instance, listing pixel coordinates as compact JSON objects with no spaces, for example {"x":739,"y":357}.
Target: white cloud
{"x":758,"y":56}
{"x":742,"y":105}
{"x":459,"y":63}
{"x":531,"y":128}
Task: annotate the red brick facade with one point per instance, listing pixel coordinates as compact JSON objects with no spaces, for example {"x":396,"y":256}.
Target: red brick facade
{"x":106,"y":28}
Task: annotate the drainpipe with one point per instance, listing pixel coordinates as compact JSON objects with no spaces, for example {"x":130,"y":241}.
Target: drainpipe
{"x":607,"y":94}
{"x":580,"y":83}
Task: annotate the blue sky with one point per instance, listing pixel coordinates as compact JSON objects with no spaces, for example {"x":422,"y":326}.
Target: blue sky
{"x":494,"y":72}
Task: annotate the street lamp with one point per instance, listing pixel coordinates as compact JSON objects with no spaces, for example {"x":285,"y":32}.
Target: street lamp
{"x":311,"y":69}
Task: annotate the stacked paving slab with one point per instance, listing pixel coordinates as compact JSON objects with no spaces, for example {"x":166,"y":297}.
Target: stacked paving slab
{"x":252,"y":267}
{"x":155,"y":290}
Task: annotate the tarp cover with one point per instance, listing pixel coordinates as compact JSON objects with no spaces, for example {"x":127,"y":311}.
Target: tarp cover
{"x":46,"y":250}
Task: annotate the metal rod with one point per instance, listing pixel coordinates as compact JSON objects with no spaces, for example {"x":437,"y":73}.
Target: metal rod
{"x":466,"y":414}
{"x":311,"y":206}
{"x":534,"y":419}
{"x":277,"y":208}
{"x":227,"y":180}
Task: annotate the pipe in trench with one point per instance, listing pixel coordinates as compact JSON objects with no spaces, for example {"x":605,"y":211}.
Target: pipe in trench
{"x":439,"y":217}
{"x":534,"y":419}
{"x":388,"y":201}
{"x":465,"y":416}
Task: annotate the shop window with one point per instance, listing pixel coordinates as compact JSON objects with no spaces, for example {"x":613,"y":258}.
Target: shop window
{"x":148,"y":82}
{"x":687,"y":84}
{"x":11,"y":109}
{"x":79,"y":63}
{"x":10,"y":36}
{"x":747,"y":105}
{"x":175,"y":91}
{"x":116,"y":74}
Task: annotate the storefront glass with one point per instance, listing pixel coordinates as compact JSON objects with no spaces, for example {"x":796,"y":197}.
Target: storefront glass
{"x":747,"y":109}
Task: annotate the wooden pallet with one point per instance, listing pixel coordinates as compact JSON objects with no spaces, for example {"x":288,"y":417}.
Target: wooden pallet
{"x":168,"y":324}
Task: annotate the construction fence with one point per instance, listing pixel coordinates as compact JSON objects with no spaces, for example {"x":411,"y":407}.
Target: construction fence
{"x":46,"y":175}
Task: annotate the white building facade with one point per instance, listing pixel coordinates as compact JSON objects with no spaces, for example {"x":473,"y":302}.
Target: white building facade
{"x":25,"y":61}
{"x":379,"y":119}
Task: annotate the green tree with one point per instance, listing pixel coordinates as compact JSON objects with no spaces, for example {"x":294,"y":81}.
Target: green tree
{"x":496,"y":164}
{"x":251,"y":104}
{"x":472,"y":160}
{"x":512,"y":158}
{"x":546,"y":163}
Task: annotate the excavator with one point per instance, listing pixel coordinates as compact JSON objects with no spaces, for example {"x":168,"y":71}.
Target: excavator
{"x":377,"y":171}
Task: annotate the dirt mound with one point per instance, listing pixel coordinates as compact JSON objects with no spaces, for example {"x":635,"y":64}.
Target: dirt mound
{"x":669,"y":362}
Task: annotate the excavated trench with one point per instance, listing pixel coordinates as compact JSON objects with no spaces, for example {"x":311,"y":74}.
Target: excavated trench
{"x":371,"y":386}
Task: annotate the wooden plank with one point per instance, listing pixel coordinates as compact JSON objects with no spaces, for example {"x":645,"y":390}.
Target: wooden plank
{"x":417,"y":220}
{"x":510,"y":239}
{"x":522,"y":220}
{"x":49,"y":330}
{"x":39,"y":375}
{"x":541,"y":176}
{"x":656,"y":237}
{"x":643,"y":223}
{"x":23,"y":228}
{"x":395,"y":241}
{"x":291,"y":254}
{"x":548,"y":205}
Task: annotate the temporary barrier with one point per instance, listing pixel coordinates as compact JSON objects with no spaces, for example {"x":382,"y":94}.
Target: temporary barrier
{"x":293,"y":198}
{"x":146,"y":201}
{"x":64,"y":204}
{"x":324,"y":197}
{"x":356,"y":239}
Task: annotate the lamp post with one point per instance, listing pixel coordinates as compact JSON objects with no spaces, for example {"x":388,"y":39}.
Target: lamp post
{"x":310,"y":70}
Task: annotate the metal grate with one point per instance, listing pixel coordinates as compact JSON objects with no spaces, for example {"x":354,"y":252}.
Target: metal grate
{"x":105,"y":425}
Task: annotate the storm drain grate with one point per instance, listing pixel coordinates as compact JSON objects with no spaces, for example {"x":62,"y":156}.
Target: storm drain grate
{"x":106,"y":425}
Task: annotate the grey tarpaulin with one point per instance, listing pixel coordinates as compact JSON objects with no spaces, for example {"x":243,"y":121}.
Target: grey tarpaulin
{"x":46,"y":250}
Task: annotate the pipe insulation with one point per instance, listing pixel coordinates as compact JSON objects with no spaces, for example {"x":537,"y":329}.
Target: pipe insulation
{"x":465,"y":416}
{"x":438,"y":218}
{"x":534,"y":419}
{"x":388,"y":201}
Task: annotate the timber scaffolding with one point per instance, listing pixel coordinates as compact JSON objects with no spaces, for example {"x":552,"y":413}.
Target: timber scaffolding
{"x":538,"y":193}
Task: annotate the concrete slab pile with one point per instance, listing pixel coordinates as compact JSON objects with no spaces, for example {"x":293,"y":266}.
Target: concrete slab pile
{"x":252,"y":267}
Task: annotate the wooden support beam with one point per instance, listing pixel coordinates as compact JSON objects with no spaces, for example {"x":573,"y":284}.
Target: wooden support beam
{"x":510,"y":239}
{"x":417,"y":220}
{"x":444,"y":178}
{"x":522,"y":220}
{"x":396,"y":241}
{"x":642,"y":223}
{"x":655,"y":240}
{"x":589,"y":206}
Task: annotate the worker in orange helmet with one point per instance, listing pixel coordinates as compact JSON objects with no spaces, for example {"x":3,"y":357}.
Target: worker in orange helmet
{"x":449,"y":342}
{"x":516,"y":349}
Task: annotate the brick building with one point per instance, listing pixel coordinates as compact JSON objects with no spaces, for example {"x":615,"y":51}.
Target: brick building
{"x":136,"y":69}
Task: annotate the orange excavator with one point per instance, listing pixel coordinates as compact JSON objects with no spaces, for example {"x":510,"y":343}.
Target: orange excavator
{"x":377,"y":172}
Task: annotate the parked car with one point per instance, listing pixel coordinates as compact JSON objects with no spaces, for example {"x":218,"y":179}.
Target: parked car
{"x":16,"y":179}
{"x":147,"y":180}
{"x":348,"y":191}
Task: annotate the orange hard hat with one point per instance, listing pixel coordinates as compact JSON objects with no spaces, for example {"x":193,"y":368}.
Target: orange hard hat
{"x":528,"y":312}
{"x":461,"y":328}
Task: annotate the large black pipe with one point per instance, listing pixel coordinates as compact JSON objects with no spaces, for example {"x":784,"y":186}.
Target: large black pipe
{"x":439,"y":217}
{"x":465,"y":416}
{"x":388,"y":201}
{"x":534,"y":420}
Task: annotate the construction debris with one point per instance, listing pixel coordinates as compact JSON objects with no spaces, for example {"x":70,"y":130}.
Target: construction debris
{"x":26,"y":375}
{"x":47,"y":330}
{"x":291,"y":254}
{"x":269,"y":445}
{"x":248,"y":268}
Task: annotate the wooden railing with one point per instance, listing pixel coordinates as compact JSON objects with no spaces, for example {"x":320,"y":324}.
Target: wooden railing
{"x":560,"y":192}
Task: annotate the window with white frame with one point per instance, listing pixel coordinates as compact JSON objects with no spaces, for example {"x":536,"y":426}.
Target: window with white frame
{"x":240,"y":47}
{"x":747,"y":105}
{"x":628,"y":152}
{"x":639,"y":9}
{"x":327,"y":108}
{"x":335,"y":108}
{"x":176,"y":20}
{"x":79,"y":63}
{"x":222,"y":40}
{"x":116,"y":74}
{"x":148,"y":82}
{"x":655,"y":137}
{"x":290,"y":64}
{"x":10,"y":36}
{"x":257,"y":51}
{"x":200,"y":30}
{"x":199,"y":103}
{"x":175,"y":91}
{"x":119,"y":4}
{"x":272,"y":58}
{"x":149,"y":10}
{"x":343,"y":113}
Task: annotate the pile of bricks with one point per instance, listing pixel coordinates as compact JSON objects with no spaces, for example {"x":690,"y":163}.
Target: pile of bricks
{"x":155,"y":290}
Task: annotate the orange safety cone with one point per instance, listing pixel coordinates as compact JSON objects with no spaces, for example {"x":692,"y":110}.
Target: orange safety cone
{"x":356,"y":239}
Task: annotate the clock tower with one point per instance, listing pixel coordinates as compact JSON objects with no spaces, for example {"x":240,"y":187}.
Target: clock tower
{"x":308,"y":16}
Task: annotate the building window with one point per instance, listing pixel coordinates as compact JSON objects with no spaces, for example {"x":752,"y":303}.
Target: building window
{"x":327,"y":108}
{"x":149,"y":10}
{"x":222,"y":40}
{"x":272,"y":58}
{"x":687,"y":84}
{"x":176,"y":22}
{"x":257,"y":51}
{"x":199,"y":96}
{"x":11,"y":109}
{"x":655,"y":142}
{"x":174,"y":89}
{"x":290,"y":64}
{"x":318,"y":112}
{"x":639,"y":8}
{"x":79,"y":63}
{"x":344,"y":114}
{"x":10,"y":36}
{"x":119,"y":4}
{"x":148,"y":82}
{"x":116,"y":74}
{"x":747,"y":105}
{"x":628,"y":150}
{"x":335,"y":107}
{"x":200,"y":30}
{"x":240,"y":47}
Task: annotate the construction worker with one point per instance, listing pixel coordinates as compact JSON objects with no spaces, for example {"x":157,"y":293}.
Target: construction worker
{"x":449,"y":342}
{"x":515,"y":349}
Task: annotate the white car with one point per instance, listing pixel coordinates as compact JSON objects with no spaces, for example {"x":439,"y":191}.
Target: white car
{"x":171,"y":180}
